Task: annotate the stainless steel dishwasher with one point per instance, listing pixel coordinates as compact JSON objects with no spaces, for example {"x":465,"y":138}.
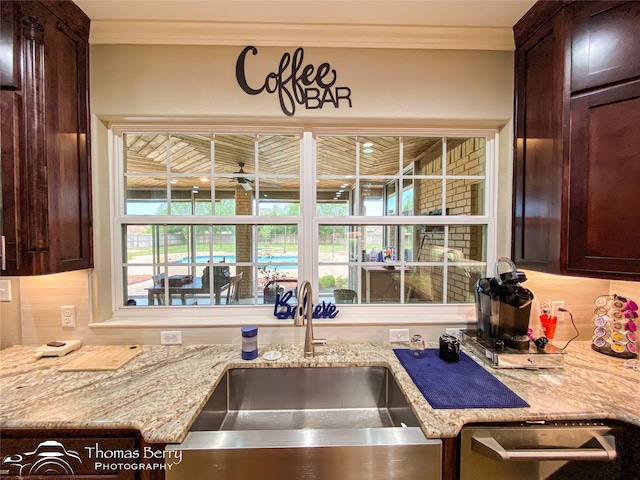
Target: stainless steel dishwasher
{"x":547,"y":450}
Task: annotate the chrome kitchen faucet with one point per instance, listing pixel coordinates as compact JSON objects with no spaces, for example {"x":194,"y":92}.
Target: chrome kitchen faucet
{"x":305,"y":293}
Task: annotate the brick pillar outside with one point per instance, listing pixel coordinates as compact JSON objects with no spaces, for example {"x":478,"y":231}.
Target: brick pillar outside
{"x":243,"y":242}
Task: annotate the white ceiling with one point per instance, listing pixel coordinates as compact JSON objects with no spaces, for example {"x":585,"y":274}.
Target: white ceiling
{"x":477,"y":24}
{"x":476,"y":13}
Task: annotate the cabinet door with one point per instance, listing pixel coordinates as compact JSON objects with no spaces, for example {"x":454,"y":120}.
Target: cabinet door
{"x":46,"y":190}
{"x":9,"y":43}
{"x":604,"y":211}
{"x":538,"y":168}
{"x":66,"y":67}
{"x":605,"y":43}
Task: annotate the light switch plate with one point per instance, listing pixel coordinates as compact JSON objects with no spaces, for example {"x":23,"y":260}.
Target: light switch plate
{"x":5,"y":290}
{"x":399,"y":335}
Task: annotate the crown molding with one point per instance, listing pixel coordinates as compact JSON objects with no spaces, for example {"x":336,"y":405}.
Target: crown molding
{"x":304,"y":35}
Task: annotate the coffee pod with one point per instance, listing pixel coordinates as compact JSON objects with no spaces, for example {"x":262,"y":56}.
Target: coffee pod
{"x":618,"y":304}
{"x":617,"y":347}
{"x":602,"y":300}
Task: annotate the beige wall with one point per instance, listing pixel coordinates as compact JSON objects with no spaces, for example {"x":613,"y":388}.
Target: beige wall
{"x":420,"y":87}
{"x":389,"y":88}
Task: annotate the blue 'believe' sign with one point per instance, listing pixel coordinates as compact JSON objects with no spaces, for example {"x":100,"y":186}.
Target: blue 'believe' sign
{"x":282,"y":310}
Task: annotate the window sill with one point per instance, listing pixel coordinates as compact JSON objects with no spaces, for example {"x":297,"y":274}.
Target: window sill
{"x":349,"y":315}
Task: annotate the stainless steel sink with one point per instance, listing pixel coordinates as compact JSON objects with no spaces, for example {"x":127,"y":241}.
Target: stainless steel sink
{"x":315,"y":423}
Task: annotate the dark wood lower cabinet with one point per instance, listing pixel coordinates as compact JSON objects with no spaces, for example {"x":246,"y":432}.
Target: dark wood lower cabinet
{"x":450,"y":451}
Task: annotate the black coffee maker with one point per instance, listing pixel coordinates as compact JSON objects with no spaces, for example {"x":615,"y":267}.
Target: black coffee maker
{"x":503,"y":308}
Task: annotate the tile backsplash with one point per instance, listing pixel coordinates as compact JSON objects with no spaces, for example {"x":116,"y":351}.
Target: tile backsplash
{"x":578,"y":294}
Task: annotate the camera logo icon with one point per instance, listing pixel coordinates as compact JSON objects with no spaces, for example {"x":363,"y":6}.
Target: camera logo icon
{"x":49,"y":458}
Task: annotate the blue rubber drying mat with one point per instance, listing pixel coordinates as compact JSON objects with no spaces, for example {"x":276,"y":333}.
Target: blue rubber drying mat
{"x":463,"y":384}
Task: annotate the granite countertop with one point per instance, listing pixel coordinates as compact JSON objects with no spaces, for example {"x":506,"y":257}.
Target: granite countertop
{"x":162,"y":390}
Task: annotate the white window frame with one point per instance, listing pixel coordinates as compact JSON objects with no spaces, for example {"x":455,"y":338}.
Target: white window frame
{"x":308,"y":223}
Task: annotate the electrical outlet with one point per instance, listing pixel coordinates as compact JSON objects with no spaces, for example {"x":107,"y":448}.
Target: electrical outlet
{"x":173,"y":337}
{"x":554,"y":305}
{"x":399,"y":335}
{"x":68,"y":316}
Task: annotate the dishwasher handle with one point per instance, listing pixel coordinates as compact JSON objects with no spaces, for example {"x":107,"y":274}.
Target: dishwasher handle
{"x":488,"y":446}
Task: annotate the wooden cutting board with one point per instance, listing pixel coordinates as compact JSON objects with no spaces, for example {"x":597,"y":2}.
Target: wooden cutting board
{"x":104,"y":358}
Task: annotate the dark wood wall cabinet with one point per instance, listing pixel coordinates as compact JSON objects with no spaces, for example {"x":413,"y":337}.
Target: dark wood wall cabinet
{"x":46,"y":177}
{"x":577,"y":139}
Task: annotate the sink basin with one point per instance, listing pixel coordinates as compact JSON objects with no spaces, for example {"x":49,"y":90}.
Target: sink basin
{"x":308,"y":422}
{"x":292,"y":398}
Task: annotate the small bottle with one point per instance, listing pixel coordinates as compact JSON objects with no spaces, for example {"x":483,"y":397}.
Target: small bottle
{"x":417,"y":346}
{"x":249,"y":343}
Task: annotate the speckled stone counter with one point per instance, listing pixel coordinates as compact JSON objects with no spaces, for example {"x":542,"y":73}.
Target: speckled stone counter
{"x":162,"y":390}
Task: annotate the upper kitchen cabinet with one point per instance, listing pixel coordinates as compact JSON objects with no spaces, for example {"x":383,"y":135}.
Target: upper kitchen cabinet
{"x":604,"y":43}
{"x":577,"y":139}
{"x":46,"y":180}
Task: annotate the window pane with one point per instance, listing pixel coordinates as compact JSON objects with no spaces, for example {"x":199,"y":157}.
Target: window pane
{"x":466,"y":156}
{"x":371,"y":198}
{"x":336,"y":156}
{"x":190,"y":153}
{"x":278,"y":243}
{"x":337,"y":243}
{"x":469,"y":243}
{"x":279,"y":204}
{"x":334,"y":207}
{"x":424,"y":153}
{"x":425,"y":285}
{"x":146,"y":196}
{"x":336,"y":285}
{"x":465,"y":197}
{"x":461,"y":283}
{"x":334,"y":197}
{"x":379,"y":155}
{"x":145,"y":153}
{"x":279,"y":155}
{"x":428,"y":197}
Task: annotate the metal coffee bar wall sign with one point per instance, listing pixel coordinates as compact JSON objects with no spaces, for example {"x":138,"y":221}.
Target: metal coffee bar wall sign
{"x":310,"y":86}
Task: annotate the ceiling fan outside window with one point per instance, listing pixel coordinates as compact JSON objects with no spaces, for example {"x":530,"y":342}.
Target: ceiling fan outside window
{"x":247,"y":184}
{"x":241,"y":179}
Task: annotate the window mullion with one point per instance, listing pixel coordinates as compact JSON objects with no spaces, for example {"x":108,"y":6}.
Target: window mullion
{"x":307,"y":228}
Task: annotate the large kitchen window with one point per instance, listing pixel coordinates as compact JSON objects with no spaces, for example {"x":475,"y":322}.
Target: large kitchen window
{"x":212,"y":217}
